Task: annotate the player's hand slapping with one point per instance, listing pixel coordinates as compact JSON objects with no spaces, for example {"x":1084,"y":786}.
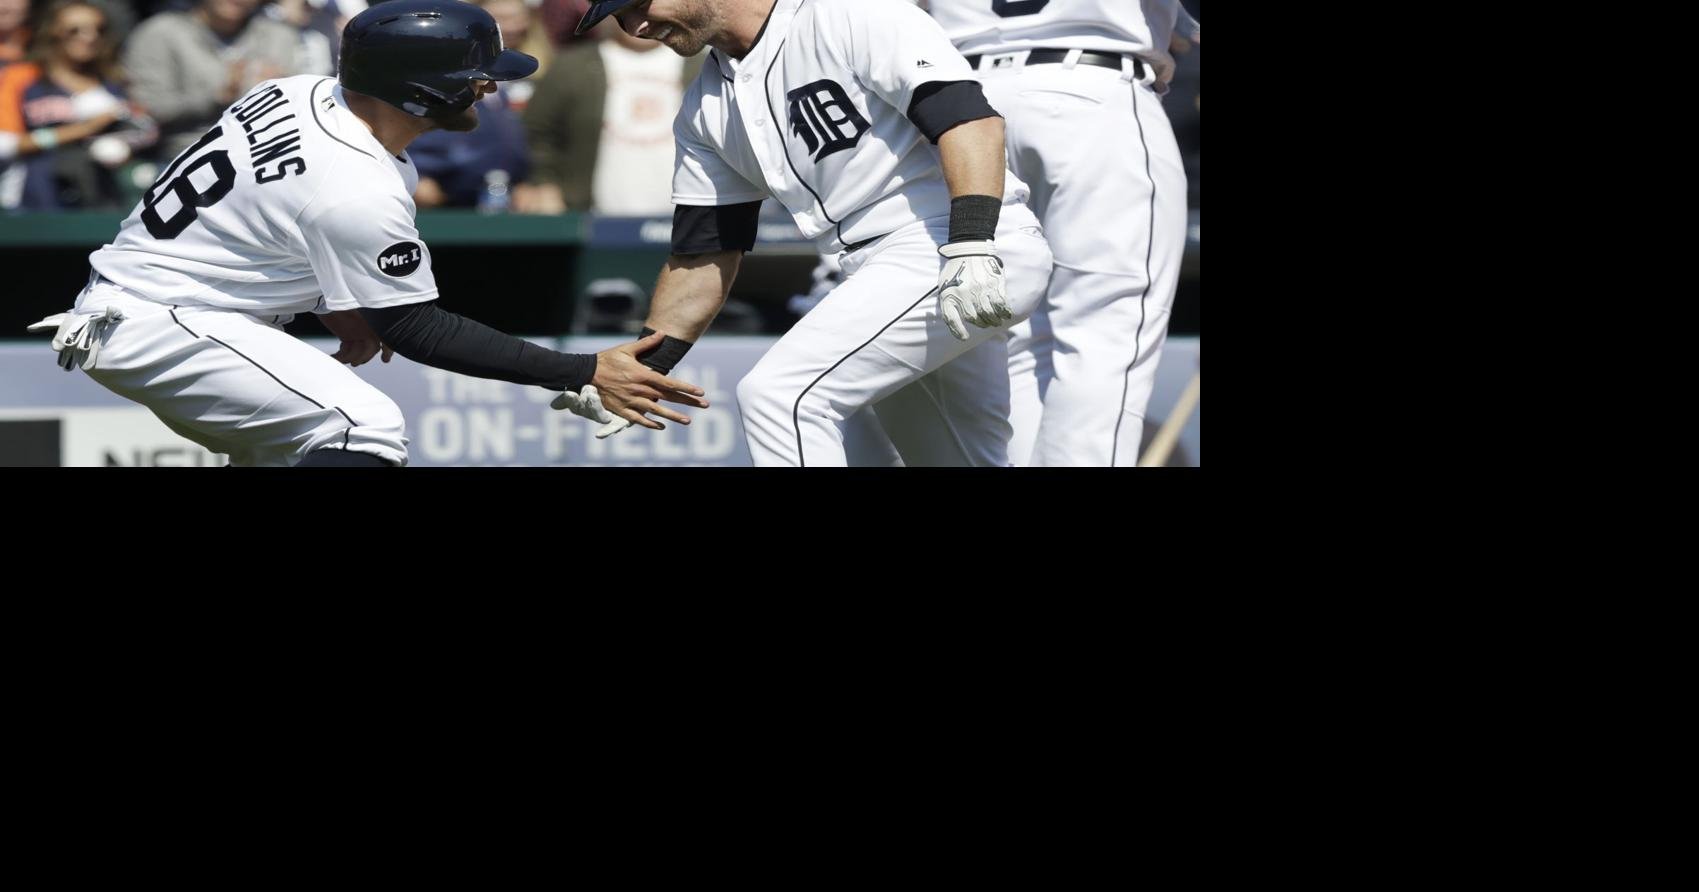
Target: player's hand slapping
{"x":624,"y":391}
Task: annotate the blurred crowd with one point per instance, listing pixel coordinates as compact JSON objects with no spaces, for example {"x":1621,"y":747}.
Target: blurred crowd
{"x":96,"y":95}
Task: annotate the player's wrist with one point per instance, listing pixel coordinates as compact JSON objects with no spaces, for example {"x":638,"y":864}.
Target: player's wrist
{"x":593,"y":365}
{"x":973,"y":218}
{"x":975,"y":248}
{"x":663,"y":358}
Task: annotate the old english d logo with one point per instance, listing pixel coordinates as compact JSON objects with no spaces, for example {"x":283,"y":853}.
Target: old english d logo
{"x":822,"y":114}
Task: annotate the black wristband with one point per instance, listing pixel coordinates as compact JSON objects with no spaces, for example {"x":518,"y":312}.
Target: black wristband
{"x":663,"y":358}
{"x":974,"y":218}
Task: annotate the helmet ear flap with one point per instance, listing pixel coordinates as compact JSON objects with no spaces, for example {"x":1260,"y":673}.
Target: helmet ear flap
{"x":415,"y":106}
{"x":428,"y":102}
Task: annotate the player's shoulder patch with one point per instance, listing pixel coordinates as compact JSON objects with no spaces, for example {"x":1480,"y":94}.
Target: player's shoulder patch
{"x":401,"y":259}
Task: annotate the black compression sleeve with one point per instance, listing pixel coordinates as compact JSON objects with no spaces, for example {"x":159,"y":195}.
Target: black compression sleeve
{"x":426,"y":334}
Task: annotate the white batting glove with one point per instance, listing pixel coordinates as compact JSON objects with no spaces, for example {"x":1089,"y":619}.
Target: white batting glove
{"x":587,"y":403}
{"x":971,"y":287}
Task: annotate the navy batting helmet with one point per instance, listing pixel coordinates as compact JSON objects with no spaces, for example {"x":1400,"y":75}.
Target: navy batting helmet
{"x":422,"y":56}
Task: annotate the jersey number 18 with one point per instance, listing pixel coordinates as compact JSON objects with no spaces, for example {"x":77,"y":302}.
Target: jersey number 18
{"x":178,"y":184}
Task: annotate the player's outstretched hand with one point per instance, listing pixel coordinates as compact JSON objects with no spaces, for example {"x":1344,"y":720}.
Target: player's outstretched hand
{"x":631,"y":391}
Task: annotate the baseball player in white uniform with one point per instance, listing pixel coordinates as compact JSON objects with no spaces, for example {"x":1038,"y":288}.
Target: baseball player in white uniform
{"x":867,"y":125}
{"x":299,"y":200}
{"x":1080,"y":82}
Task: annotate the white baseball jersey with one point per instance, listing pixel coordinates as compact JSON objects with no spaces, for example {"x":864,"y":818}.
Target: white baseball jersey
{"x":1137,"y":27}
{"x":289,"y":197}
{"x":815,"y":116}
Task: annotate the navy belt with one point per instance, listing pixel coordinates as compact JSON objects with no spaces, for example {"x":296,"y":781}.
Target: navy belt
{"x":1042,"y":57}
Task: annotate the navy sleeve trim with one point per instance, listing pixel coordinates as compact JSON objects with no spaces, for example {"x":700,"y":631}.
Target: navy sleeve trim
{"x":702,"y":230}
{"x":939,"y":106}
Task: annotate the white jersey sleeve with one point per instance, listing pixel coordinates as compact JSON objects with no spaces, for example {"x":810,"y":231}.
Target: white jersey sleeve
{"x":368,"y":254}
{"x":701,"y":177}
{"x":892,"y":46}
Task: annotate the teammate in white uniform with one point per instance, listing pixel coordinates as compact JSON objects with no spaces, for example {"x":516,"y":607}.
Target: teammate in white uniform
{"x":300,"y":200}
{"x":1079,"y":82}
{"x":833,"y":108}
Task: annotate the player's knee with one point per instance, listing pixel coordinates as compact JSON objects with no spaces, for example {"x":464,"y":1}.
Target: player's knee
{"x":782,"y":395}
{"x":759,"y":398}
{"x":374,"y":426}
{"x":765,"y":408}
{"x":772,"y":399}
{"x":382,"y":431}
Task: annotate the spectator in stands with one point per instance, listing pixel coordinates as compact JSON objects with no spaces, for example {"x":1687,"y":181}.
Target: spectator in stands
{"x":120,"y":18}
{"x":560,"y":19}
{"x":318,"y":26}
{"x":68,"y":115}
{"x":600,"y":126}
{"x":14,"y":31}
{"x":187,"y":67}
{"x":14,"y":43}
